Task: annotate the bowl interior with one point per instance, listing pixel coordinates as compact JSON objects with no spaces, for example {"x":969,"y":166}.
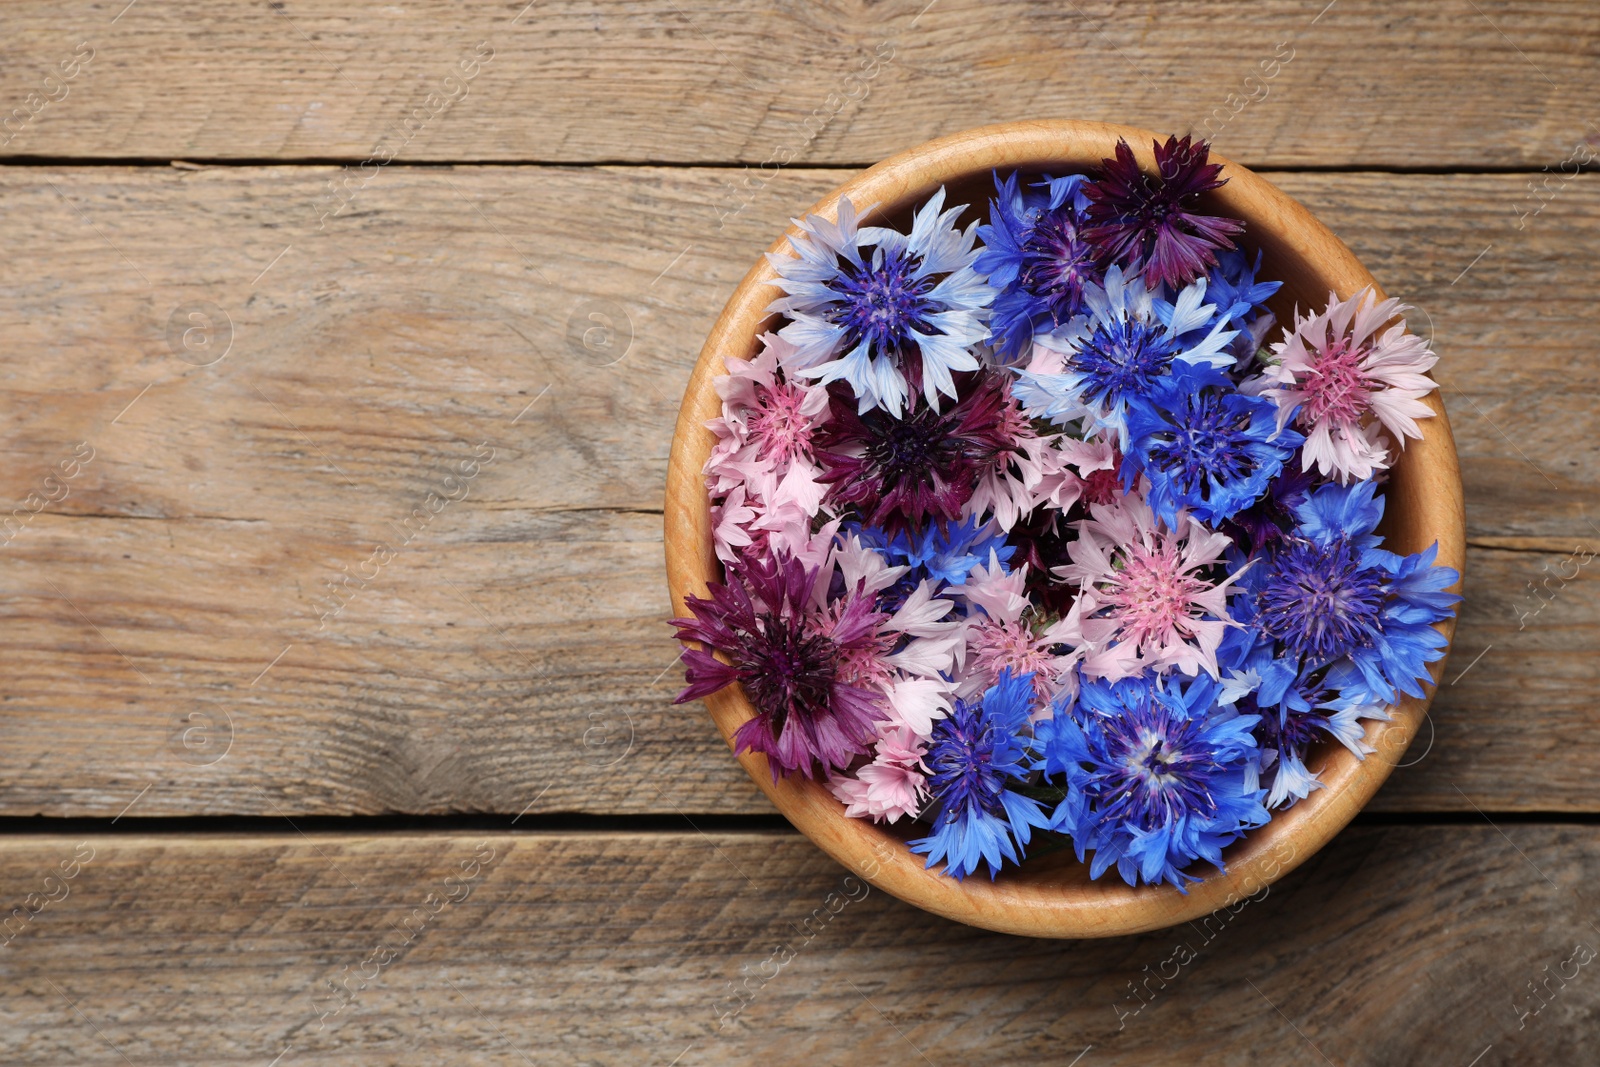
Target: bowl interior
{"x":1051,"y":894}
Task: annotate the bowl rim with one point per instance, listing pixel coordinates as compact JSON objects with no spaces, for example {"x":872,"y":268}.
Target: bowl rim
{"x":1055,"y":899}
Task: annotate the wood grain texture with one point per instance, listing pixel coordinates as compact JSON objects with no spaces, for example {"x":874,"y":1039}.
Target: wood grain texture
{"x":1358,"y":83}
{"x":1394,"y":946}
{"x":521,"y":627}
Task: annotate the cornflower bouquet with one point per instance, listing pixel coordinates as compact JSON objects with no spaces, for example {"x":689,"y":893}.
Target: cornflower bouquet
{"x":1043,"y":530}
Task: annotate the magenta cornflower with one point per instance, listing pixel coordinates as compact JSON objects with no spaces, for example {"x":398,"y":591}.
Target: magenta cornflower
{"x":1149,"y":222}
{"x":793,"y":665}
{"x":902,"y":471}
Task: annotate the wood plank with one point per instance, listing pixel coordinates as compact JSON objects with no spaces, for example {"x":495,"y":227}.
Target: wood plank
{"x":1410,"y":945}
{"x":516,"y":635}
{"x":1392,"y":84}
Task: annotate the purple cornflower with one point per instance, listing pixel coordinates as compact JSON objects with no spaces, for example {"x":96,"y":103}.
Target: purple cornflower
{"x":900,"y":471}
{"x":1037,"y":256}
{"x":791,"y":661}
{"x":1148,"y":222}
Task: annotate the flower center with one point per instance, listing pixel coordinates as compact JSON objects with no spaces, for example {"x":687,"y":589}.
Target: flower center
{"x":908,"y":449}
{"x":1161,"y":772}
{"x":1120,"y":358}
{"x":961,"y":757}
{"x":790,"y":670}
{"x":1320,"y":601}
{"x":1056,"y":264}
{"x":784,"y":433}
{"x":1208,"y":443}
{"x":1336,"y":388}
{"x":997,"y":646}
{"x":1152,"y":595}
{"x":1103,"y":486}
{"x":1159,"y":209}
{"x":882,"y":302}
{"x":1155,"y":762}
{"x":864,"y":664}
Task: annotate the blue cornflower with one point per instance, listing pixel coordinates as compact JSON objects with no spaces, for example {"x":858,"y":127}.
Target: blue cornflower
{"x":944,"y":553}
{"x":1036,"y":256}
{"x":887,"y":312}
{"x":1287,"y":731}
{"x":1157,"y":777}
{"x":1115,"y":353}
{"x":1204,"y":445}
{"x":1287,"y":701}
{"x":1328,"y":593}
{"x":976,"y":753}
{"x":1351,"y":512}
{"x":1233,"y":286}
{"x":1347,"y":700}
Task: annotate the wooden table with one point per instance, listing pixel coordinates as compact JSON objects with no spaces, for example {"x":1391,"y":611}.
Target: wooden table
{"x":336,"y":707}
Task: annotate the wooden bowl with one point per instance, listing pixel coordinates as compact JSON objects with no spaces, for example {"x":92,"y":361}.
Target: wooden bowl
{"x":1051,"y":895}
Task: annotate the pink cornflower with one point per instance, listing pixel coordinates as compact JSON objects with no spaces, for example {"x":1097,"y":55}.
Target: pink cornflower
{"x":864,"y":663}
{"x":1088,"y":471}
{"x":729,"y":520}
{"x":916,"y":639}
{"x":1004,"y":633}
{"x":1147,"y":600}
{"x":994,"y":646}
{"x":1347,"y":381}
{"x":913,"y":647}
{"x":767,"y":422}
{"x":799,"y":541}
{"x":791,"y":500}
{"x":893,"y":784}
{"x":917,"y":703}
{"x":780,"y":415}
